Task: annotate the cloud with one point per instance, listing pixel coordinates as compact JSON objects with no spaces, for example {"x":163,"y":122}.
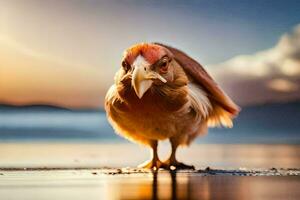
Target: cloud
{"x":282,"y":85}
{"x":272,"y":75}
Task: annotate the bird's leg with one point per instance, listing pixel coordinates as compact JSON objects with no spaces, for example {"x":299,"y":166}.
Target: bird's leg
{"x":172,"y":162}
{"x":154,"y":162}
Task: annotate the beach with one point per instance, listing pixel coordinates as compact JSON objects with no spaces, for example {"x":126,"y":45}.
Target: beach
{"x":112,"y":183}
{"x":107,"y":171}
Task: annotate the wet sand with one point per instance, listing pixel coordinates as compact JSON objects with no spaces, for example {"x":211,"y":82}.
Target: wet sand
{"x":45,"y":171}
{"x":131,"y":183}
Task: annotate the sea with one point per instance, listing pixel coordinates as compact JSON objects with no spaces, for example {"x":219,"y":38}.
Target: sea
{"x":264,"y":124}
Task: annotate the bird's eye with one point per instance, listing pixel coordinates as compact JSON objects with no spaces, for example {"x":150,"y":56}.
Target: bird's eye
{"x":125,"y":65}
{"x":164,"y":65}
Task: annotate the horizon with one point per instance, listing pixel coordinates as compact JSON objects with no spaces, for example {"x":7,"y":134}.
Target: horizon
{"x":101,"y":109}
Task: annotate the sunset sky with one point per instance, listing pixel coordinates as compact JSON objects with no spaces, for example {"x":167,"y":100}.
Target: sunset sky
{"x":66,"y":52}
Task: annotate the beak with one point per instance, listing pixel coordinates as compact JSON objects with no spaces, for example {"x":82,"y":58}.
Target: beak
{"x":142,"y":79}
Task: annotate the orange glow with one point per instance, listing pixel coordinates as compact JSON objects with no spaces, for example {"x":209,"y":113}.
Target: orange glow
{"x":30,"y":77}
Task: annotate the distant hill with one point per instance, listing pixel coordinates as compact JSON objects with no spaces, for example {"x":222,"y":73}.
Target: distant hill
{"x":8,"y":108}
{"x":31,"y":107}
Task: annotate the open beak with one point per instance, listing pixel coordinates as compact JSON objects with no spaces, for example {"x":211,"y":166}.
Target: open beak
{"x":142,"y":79}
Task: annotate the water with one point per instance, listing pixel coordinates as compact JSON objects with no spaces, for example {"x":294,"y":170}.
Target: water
{"x":265,"y":125}
{"x":54,"y":125}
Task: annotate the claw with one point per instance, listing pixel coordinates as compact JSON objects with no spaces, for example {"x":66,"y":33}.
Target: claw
{"x":175,"y":165}
{"x":152,"y":164}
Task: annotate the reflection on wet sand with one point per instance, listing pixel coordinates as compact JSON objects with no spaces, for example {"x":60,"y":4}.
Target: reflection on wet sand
{"x":171,"y":185}
{"x":94,"y":184}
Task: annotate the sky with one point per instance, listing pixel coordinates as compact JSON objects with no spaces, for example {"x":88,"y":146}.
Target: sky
{"x":66,"y":52}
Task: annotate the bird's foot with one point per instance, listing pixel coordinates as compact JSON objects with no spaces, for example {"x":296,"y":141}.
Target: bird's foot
{"x":152,"y":164}
{"x":175,"y":165}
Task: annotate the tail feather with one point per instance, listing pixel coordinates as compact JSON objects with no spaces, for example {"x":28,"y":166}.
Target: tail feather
{"x":220,"y":117}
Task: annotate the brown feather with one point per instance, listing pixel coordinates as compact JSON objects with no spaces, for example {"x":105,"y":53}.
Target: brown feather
{"x":198,"y":73}
{"x":223,"y":108}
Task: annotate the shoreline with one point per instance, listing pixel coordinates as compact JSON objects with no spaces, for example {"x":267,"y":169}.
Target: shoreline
{"x":128,"y":171}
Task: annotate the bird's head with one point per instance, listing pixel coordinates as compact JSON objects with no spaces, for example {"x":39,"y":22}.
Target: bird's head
{"x":149,"y":64}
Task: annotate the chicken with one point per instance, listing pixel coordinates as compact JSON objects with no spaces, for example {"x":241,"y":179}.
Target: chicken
{"x":161,"y":93}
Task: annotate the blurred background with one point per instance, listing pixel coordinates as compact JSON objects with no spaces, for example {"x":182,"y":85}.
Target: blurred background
{"x":58,"y":58}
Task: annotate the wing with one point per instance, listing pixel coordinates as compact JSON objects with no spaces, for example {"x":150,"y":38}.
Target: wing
{"x":223,"y":108}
